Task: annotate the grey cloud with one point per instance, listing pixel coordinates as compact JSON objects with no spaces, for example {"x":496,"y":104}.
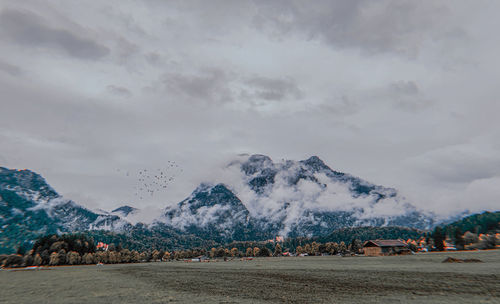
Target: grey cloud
{"x":12,"y":70}
{"x":383,"y":117}
{"x":217,"y":86}
{"x":407,"y":96}
{"x":372,"y":26}
{"x":119,"y":91}
{"x":459,"y":164}
{"x":340,"y":106}
{"x":27,"y":28}
{"x":125,"y":49}
{"x":208,"y":86}
{"x":154,"y":58}
{"x":408,"y":88}
{"x":273,"y":89}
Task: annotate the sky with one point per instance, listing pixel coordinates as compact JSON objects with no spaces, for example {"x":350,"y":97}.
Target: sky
{"x":401,"y":93}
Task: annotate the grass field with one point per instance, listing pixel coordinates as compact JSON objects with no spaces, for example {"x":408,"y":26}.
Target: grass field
{"x":420,"y":278}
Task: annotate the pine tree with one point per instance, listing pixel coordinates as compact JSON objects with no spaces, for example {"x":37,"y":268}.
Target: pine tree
{"x":356,"y":245}
{"x":439,"y":238}
{"x":265,"y":252}
{"x":342,"y":247}
{"x":459,"y":239}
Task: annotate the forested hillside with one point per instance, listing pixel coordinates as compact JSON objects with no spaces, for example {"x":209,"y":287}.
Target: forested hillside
{"x":477,"y":223}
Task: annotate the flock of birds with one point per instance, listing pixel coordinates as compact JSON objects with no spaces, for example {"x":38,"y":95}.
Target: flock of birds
{"x":154,"y":181}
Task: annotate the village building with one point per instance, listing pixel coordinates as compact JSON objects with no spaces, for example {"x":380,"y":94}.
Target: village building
{"x":384,"y":247}
{"x":449,"y":246}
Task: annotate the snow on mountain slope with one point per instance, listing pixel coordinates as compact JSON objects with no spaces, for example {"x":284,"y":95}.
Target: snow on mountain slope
{"x":294,"y":198}
{"x":30,"y":207}
{"x":213,"y":211}
{"x":253,"y":199}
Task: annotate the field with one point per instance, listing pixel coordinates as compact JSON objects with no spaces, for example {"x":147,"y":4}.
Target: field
{"x":420,"y":278}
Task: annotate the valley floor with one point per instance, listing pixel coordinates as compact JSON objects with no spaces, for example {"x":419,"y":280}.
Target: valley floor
{"x":420,"y":278}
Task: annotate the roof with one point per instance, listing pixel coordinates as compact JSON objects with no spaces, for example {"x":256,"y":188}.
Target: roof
{"x":384,"y":243}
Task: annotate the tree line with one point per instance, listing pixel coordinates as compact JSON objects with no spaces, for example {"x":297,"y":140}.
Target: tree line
{"x":77,"y":249}
{"x":80,"y":249}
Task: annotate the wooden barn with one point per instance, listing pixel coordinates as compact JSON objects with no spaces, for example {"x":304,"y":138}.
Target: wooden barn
{"x":384,"y":247}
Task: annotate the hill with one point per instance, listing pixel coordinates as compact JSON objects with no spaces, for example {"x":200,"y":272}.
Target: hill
{"x":477,"y":223}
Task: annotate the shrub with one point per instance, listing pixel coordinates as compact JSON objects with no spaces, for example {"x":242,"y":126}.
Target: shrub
{"x":88,"y":259}
{"x":28,"y":260}
{"x":73,"y":258}
{"x":3,"y":257}
{"x":14,"y":260}
{"x":37,"y":260}
{"x":54,"y":259}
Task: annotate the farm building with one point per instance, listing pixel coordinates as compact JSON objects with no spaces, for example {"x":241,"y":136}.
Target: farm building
{"x":384,"y":247}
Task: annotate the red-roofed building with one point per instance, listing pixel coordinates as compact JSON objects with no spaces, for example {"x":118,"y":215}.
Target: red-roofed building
{"x":102,"y":246}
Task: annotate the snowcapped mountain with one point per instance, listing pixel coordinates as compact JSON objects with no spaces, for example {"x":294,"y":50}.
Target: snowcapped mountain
{"x":30,"y":207}
{"x":254,"y":198}
{"x":261,"y":198}
{"x":212,"y":211}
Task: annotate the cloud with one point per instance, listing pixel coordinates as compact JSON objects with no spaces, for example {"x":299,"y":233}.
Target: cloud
{"x":154,"y":58}
{"x":209,"y":86}
{"x":342,"y":106}
{"x":10,"y":69}
{"x":270,"y":89}
{"x":27,"y":28}
{"x":317,"y":193}
{"x":119,"y":91}
{"x":372,"y":27}
{"x":401,"y":93}
{"x":406,"y":95}
{"x":459,"y":164}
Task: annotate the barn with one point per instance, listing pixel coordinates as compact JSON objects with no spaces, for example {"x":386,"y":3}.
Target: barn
{"x":384,"y":247}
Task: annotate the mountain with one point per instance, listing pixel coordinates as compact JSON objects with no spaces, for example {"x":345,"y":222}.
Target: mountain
{"x":486,"y":222}
{"x":124,"y":211}
{"x":262,"y":199}
{"x":29,"y":207}
{"x":212,"y":211}
{"x":253,"y":199}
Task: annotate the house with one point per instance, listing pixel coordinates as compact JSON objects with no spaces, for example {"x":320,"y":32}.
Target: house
{"x":102,"y":246}
{"x":384,"y":247}
{"x":200,"y":258}
{"x":448,"y":246}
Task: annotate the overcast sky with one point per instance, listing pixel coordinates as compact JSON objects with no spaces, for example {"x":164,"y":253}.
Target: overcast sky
{"x":401,"y":93}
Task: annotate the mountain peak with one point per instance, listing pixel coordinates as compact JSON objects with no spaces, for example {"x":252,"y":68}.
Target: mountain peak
{"x":315,"y":162}
{"x":125,"y":210}
{"x":210,"y":210}
{"x":26,"y":180}
{"x":259,"y":158}
{"x":255,"y":163}
{"x":206,"y":195}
